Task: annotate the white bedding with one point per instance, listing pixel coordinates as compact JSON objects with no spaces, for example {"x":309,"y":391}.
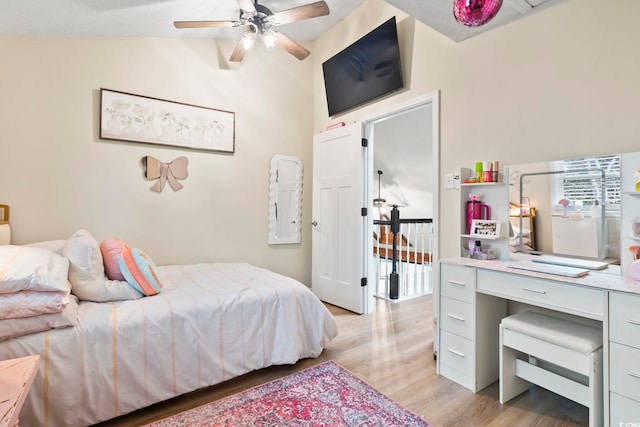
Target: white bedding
{"x":210,"y":323}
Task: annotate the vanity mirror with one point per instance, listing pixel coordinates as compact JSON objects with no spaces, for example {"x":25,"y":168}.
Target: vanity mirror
{"x":579,"y":208}
{"x":285,"y":200}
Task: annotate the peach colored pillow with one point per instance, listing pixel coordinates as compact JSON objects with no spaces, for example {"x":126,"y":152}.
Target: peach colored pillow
{"x":111,"y":249}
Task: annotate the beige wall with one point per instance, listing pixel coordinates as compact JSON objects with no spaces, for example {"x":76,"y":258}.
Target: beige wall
{"x":559,"y":83}
{"x":58,"y":176}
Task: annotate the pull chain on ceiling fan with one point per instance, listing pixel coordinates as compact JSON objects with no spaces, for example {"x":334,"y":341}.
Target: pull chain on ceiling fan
{"x":257,"y":20}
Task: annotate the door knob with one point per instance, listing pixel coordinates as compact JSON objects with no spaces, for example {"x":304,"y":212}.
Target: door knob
{"x":314,"y":223}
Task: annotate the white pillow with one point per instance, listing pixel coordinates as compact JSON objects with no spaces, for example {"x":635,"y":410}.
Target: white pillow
{"x":24,"y":268}
{"x":86,"y":271}
{"x":525,"y":232}
{"x":516,"y":241}
{"x":50,"y":245}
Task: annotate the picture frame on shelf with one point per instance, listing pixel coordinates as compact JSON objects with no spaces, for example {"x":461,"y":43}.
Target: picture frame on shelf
{"x":144,"y":119}
{"x":485,"y":229}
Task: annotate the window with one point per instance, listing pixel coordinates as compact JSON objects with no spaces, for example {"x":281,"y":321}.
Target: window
{"x":582,"y":182}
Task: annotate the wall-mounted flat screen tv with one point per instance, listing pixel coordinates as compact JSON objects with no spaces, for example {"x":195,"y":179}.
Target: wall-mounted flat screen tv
{"x":366,"y":70}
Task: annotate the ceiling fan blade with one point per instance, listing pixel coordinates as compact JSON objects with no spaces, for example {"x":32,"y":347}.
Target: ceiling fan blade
{"x":290,"y":46}
{"x":246,"y":5}
{"x":312,"y":10}
{"x":399,"y":205}
{"x":238,"y":53}
{"x":205,"y":24}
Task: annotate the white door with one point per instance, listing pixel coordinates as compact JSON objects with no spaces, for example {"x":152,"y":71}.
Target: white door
{"x":338,"y":265}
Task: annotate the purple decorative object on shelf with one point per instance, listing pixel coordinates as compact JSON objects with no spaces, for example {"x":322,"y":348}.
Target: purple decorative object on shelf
{"x":474,"y":13}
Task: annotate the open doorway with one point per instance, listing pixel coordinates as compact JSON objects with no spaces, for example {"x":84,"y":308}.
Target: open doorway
{"x":403,"y":170}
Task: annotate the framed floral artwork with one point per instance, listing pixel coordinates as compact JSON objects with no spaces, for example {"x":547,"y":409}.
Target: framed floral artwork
{"x":137,"y":118}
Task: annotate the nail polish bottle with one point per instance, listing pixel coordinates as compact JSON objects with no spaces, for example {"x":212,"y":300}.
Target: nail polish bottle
{"x":487,"y":173}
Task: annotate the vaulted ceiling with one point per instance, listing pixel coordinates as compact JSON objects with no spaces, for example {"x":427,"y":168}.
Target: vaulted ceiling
{"x":151,"y":18}
{"x":154,"y":18}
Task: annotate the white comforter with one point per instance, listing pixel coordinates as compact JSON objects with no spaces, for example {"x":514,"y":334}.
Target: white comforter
{"x":210,"y":323}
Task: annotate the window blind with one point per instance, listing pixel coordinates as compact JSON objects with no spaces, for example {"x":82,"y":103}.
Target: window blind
{"x":584,"y":188}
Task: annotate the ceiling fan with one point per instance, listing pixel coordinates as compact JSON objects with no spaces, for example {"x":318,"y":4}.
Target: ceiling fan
{"x":257,"y":20}
{"x":380,"y":203}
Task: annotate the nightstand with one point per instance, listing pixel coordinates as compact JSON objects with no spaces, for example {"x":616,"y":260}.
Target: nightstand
{"x":16,"y":376}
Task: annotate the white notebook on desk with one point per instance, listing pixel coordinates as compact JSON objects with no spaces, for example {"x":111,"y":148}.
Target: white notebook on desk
{"x":559,"y":270}
{"x":570,"y":262}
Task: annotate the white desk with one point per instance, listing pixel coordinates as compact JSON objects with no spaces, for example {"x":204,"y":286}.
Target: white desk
{"x":475,"y":295}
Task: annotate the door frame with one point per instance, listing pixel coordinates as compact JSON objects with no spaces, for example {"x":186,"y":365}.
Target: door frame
{"x":433,"y":99}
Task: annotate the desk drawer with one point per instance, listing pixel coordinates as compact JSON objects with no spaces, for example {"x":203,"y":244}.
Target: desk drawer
{"x":624,"y":370}
{"x":624,"y":412}
{"x":457,"y":282}
{"x":457,"y":317}
{"x":624,"y":319}
{"x":456,"y":352}
{"x":545,"y":293}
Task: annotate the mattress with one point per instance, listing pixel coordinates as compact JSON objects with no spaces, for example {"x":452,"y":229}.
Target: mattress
{"x":210,"y":323}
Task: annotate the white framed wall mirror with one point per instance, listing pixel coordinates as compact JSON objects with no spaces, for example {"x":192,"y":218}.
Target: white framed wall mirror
{"x":285,"y":200}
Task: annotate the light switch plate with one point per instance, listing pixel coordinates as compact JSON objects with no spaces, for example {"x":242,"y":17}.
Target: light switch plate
{"x":448,"y":181}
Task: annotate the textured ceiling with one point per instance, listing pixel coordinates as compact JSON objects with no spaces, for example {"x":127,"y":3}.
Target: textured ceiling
{"x":150,"y":18}
{"x":154,"y":18}
{"x":438,"y":14}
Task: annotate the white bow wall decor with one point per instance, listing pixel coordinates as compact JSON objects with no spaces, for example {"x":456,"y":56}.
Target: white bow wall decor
{"x":163,"y":172}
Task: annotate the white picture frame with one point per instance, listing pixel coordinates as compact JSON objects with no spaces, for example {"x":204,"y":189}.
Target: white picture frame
{"x":485,"y":229}
{"x":138,"y":118}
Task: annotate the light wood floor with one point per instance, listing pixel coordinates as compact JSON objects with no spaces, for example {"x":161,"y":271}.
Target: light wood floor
{"x":392,"y":349}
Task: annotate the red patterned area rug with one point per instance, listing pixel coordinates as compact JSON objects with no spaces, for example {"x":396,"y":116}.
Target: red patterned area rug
{"x":324,"y":395}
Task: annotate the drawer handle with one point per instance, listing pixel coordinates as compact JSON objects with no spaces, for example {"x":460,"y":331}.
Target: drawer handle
{"x":634,"y":375}
{"x":457,"y":353}
{"x":453,"y":316}
{"x":455,"y":282}
{"x":537,"y":291}
{"x":634,"y":322}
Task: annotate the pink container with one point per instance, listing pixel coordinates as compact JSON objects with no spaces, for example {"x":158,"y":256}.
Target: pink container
{"x":476,"y":210}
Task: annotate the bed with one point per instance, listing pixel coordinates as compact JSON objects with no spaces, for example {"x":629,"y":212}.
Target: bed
{"x":209,"y":323}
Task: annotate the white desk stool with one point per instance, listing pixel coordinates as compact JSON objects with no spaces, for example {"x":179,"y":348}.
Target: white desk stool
{"x":561,"y":356}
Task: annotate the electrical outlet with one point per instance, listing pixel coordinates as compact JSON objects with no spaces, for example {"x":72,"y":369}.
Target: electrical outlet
{"x":448,"y":181}
{"x":456,"y":181}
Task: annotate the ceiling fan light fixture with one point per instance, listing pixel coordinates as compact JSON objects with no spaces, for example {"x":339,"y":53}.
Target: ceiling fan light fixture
{"x":269,"y":39}
{"x":474,"y":13}
{"x":247,"y":42}
{"x":249,"y":31}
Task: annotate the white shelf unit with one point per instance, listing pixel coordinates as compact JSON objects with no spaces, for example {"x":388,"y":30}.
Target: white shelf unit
{"x":496,"y":196}
{"x":630,"y":207}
